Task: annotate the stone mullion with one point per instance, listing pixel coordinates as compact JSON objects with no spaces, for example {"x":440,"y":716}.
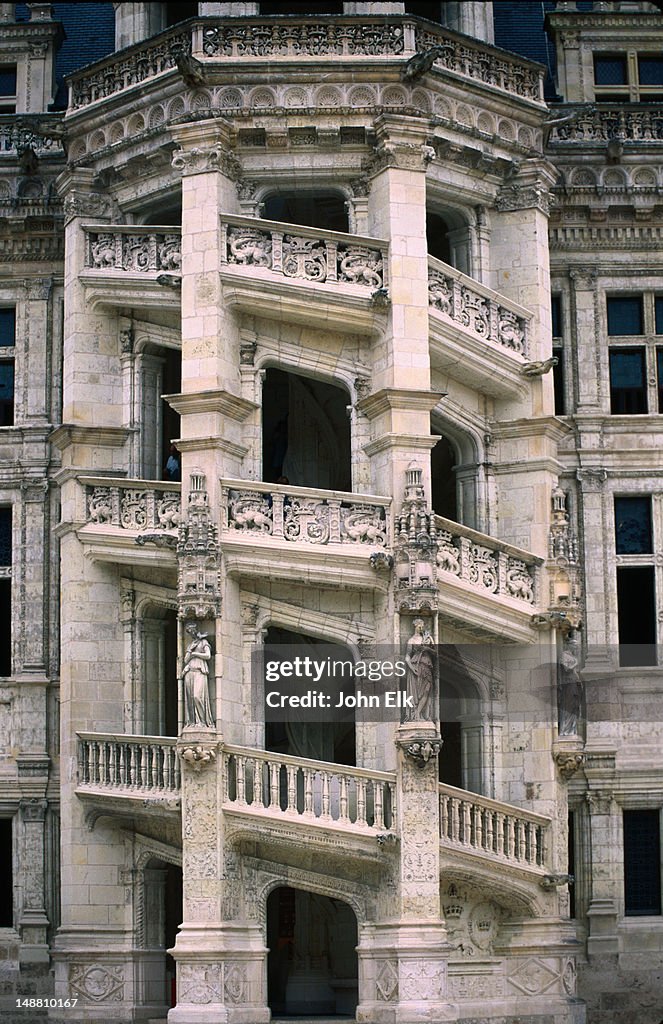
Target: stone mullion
{"x":33,"y":922}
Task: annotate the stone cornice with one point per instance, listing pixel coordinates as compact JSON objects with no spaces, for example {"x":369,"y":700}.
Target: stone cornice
{"x":393,"y":440}
{"x":66,"y":435}
{"x":398,"y":398}
{"x":544,"y":426}
{"x":220,"y":401}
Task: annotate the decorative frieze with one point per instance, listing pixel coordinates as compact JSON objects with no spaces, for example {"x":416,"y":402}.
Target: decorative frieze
{"x":96,"y":982}
{"x":199,"y":581}
{"x":333,"y":258}
{"x":135,"y":252}
{"x":296,"y":39}
{"x":133,"y":506}
{"x":627,"y":124}
{"x":300,"y":516}
{"x":460,"y":299}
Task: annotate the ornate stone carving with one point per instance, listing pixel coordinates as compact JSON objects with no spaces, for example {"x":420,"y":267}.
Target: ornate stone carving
{"x":460,"y":300}
{"x":421,"y":660}
{"x":380,"y":561}
{"x":195,"y":674}
{"x":132,"y":251}
{"x":533,"y":977}
{"x":470,"y":59}
{"x":234,"y":983}
{"x":96,"y":983}
{"x":421,"y":980}
{"x":86,"y":204}
{"x":199,"y":983}
{"x":421,"y":751}
{"x":198,"y":757}
{"x":320,"y":39}
{"x":568,"y":763}
{"x":386,"y":980}
{"x":200,"y":160}
{"x":515,"y":196}
{"x":199,"y":583}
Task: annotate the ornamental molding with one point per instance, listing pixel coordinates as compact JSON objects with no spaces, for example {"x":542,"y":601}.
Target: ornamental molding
{"x":523,"y":197}
{"x":201,"y":160}
{"x":86,"y":204}
{"x":568,"y":763}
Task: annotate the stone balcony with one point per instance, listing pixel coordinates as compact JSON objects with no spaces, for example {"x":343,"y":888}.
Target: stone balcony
{"x":130,"y":521}
{"x":125,"y":265}
{"x":283,"y":532}
{"x":304,"y":274}
{"x":256,"y":41}
{"x":477,"y":332}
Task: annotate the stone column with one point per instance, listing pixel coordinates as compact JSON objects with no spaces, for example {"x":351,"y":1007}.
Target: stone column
{"x":33,"y":922}
{"x":400,"y":405}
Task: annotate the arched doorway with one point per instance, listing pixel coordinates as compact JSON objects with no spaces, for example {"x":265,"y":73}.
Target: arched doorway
{"x":443,"y":462}
{"x":448,"y":238}
{"x":461,"y":723}
{"x":305,"y":432}
{"x":312,"y":960}
{"x":155,"y":703}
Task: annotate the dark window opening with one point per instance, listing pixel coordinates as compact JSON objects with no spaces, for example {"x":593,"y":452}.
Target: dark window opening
{"x":610,"y":69}
{"x":659,"y":376}
{"x":170,"y":420}
{"x":6,"y":617}
{"x":650,"y":69}
{"x":7,"y":327}
{"x":304,"y":7}
{"x":658,"y":305}
{"x":305,"y":432}
{"x":559,"y":383}
{"x":7,"y":80}
{"x":628,"y":387}
{"x":556,"y":313}
{"x":5,"y":536}
{"x":636,"y":612}
{"x":169,"y":214}
{"x":625,"y":315}
{"x":324,"y":210}
{"x":173,"y":917}
{"x":180,"y":12}
{"x":451,"y":759}
{"x":437,"y":237}
{"x":443,"y":478}
{"x":7,"y":870}
{"x":170,"y":659}
{"x":633,"y":526}
{"x":421,"y":9}
{"x":642,"y":863}
{"x":7,"y":393}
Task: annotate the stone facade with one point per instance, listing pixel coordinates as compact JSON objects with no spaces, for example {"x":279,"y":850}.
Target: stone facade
{"x":317,"y":254}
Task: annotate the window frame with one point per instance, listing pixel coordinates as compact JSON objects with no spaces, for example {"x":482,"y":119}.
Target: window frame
{"x":640,"y":561}
{"x":632,"y":91}
{"x":649,"y":341}
{"x":639,"y":807}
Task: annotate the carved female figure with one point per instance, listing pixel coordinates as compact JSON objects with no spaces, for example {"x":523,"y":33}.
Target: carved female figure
{"x":197,"y":709}
{"x":421,"y":661}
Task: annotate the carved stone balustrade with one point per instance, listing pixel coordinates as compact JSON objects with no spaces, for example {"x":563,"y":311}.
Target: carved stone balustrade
{"x":304,"y":40}
{"x":487,"y":315}
{"x":602,"y":123}
{"x":38,"y":132}
{"x":296,"y":252}
{"x":493,"y":829}
{"x":132,"y":504}
{"x":486,"y":564}
{"x":147,"y":764}
{"x":132,"y":250}
{"x":298,"y":789}
{"x":303,"y":515}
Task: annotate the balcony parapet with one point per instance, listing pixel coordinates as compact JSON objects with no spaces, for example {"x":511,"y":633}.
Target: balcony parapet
{"x":297,"y":789}
{"x":304,"y":40}
{"x":137,"y":505}
{"x":128,"y":764}
{"x":625,"y":122}
{"x":110,"y":247}
{"x":296,"y":252}
{"x":41,"y":133}
{"x":490,"y":828}
{"x":303,"y":515}
{"x":486,"y":314}
{"x":486,"y":564}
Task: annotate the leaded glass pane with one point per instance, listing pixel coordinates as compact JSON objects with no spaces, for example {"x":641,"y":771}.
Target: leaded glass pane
{"x":642,"y":863}
{"x":633,"y":532}
{"x":5,"y":536}
{"x":625,"y":315}
{"x":610,"y":69}
{"x":7,"y":328}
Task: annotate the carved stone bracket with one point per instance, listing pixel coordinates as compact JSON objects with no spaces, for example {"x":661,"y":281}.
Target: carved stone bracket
{"x":199,"y":160}
{"x":420,"y":751}
{"x":380,"y":561}
{"x":198,"y":757}
{"x":86,"y":204}
{"x":568,"y":762}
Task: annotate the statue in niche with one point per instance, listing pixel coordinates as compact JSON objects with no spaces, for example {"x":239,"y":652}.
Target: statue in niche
{"x":197,"y":708}
{"x":421,"y":661}
{"x":569,"y":694}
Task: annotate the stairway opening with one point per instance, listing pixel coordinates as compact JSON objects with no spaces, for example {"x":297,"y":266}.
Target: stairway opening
{"x":443,"y":462}
{"x":463,"y":718}
{"x":305,"y":432}
{"x":448,"y":238}
{"x":312,"y":960}
{"x":161,"y":917}
{"x":156,"y":701}
{"x":320,"y":209}
{"x":158,"y":371}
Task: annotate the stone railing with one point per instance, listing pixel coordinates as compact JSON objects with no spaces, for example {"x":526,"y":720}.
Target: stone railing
{"x":303,"y":515}
{"x":132,"y":504}
{"x":39,"y":132}
{"x":136,"y":251}
{"x":277,"y":785}
{"x":492,"y":828}
{"x":487,"y":564}
{"x":603,"y":122}
{"x":145,"y":763}
{"x":303,"y":39}
{"x":481,"y":63}
{"x":306,"y":254}
{"x":461,"y":300}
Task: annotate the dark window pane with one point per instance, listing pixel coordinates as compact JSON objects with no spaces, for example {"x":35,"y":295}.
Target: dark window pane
{"x":572,"y":863}
{"x":432,"y":11}
{"x":633,"y":526}
{"x":650,"y":70}
{"x":636,"y":615}
{"x":8,"y":80}
{"x":6,"y":867}
{"x":556,"y":310}
{"x":625,"y":315}
{"x":558,"y":382}
{"x":613,"y":97}
{"x":180,"y":12}
{"x":659,"y":371}
{"x":7,"y":327}
{"x":610,"y":69}
{"x":6,"y":394}
{"x":303,"y":7}
{"x":6,"y":634}
{"x":642,"y":863}
{"x":659,"y":314}
{"x":628,"y":390}
{"x":5,"y":536}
